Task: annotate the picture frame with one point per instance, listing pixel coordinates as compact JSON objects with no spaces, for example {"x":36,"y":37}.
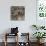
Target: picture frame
{"x":17,"y":13}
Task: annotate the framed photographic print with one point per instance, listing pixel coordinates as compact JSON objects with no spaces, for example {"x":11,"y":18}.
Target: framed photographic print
{"x":41,"y":8}
{"x":41,"y":12}
{"x":17,"y":12}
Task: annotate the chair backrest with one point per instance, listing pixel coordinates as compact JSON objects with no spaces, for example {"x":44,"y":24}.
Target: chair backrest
{"x":14,"y":30}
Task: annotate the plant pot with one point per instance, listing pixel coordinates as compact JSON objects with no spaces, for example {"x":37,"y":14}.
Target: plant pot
{"x":40,"y":41}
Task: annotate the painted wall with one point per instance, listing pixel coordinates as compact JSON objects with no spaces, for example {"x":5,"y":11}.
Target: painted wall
{"x":30,"y":14}
{"x":24,"y":26}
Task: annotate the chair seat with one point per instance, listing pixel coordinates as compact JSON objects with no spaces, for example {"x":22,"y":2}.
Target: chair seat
{"x":9,"y":34}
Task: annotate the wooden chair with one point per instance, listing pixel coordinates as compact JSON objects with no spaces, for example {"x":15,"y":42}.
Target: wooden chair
{"x":6,"y":36}
{"x":27,"y":37}
{"x":14,"y":32}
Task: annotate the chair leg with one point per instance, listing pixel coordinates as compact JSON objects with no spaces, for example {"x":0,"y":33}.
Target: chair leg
{"x":5,"y":40}
{"x":5,"y":43}
{"x":17,"y":39}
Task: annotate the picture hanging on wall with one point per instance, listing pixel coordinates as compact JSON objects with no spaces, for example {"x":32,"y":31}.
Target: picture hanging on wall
{"x":41,"y":8}
{"x":17,"y":12}
{"x":41,"y":12}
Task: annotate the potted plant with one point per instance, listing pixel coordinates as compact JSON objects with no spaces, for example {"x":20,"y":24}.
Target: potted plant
{"x":39,"y":36}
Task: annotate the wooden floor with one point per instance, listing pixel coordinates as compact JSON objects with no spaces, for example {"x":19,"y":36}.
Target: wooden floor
{"x":13,"y":44}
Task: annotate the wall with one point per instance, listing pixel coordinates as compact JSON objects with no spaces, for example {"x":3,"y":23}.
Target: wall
{"x":30,"y":15}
